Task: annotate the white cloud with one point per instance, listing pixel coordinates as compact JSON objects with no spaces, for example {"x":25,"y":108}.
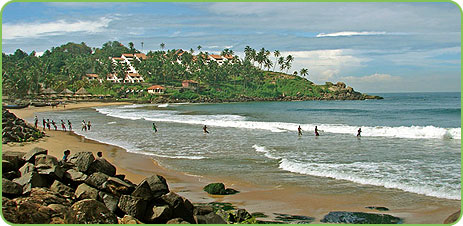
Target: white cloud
{"x":374,"y":78}
{"x":34,"y":30}
{"x":350,"y":33}
{"x":326,"y":65}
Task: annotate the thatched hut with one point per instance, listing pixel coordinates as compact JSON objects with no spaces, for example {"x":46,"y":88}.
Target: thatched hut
{"x":82,"y":92}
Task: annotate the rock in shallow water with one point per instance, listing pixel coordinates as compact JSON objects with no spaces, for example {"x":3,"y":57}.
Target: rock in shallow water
{"x":360,"y":218}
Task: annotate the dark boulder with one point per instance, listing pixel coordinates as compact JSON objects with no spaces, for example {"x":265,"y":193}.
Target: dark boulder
{"x":84,"y":191}
{"x":32,"y":180}
{"x":82,"y":160}
{"x":134,"y":206}
{"x":11,"y":175}
{"x":210,"y":218}
{"x":15,"y":158}
{"x":158,"y":214}
{"x":177,"y":221}
{"x":143,"y":190}
{"x":97,"y":180}
{"x":109,"y":200}
{"x":61,"y":188}
{"x":26,"y":212}
{"x":89,"y":211}
{"x":43,"y":161}
{"x":102,"y":165}
{"x":127,"y":219}
{"x":360,"y":218}
{"x":158,"y":185}
{"x":7,"y":166}
{"x":30,"y":156}
{"x":219,"y":189}
{"x":117,"y":186}
{"x":10,"y":188}
{"x":27,"y":168}
{"x":181,"y":207}
{"x":75,"y":177}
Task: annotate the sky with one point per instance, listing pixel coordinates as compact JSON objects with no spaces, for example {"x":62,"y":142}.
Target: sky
{"x":373,"y":47}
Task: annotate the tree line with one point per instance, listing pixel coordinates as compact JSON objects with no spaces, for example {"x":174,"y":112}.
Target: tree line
{"x":64,"y":67}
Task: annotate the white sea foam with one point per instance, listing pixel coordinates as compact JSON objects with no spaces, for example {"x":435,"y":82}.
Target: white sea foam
{"x":339,"y":172}
{"x":178,"y":156}
{"x":237,"y":121}
{"x":264,"y":150}
{"x":163,"y":105}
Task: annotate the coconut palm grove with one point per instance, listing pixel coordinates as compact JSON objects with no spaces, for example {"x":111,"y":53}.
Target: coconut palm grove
{"x":121,"y":72}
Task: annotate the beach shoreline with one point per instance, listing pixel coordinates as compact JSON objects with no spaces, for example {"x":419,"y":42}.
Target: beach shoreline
{"x":254,"y":198}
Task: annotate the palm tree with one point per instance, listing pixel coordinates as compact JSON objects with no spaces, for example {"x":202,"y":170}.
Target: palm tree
{"x":289,"y":60}
{"x":304,"y":72}
{"x":162,"y":46}
{"x":199,"y":47}
{"x":295,"y":73}
{"x":268,"y":64}
{"x":281,"y":62}
{"x":276,"y":54}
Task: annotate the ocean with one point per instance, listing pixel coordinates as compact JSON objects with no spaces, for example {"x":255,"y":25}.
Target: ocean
{"x":410,"y":142}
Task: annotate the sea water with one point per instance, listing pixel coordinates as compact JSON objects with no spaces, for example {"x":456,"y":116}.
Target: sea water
{"x":409,"y":142}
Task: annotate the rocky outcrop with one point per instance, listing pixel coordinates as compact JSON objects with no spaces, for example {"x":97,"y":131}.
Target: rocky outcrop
{"x":17,"y":130}
{"x":77,"y":195}
{"x":360,"y":218}
{"x":219,"y":189}
{"x":453,"y":218}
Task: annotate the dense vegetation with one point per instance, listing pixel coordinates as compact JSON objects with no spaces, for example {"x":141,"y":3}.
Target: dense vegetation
{"x":24,"y":75}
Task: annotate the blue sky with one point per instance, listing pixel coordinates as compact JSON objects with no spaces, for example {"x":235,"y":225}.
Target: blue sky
{"x":373,"y":47}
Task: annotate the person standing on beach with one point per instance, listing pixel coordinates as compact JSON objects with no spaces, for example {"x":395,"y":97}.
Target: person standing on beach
{"x":44,"y":124}
{"x":89,"y":125}
{"x":299,"y":131}
{"x":205,"y":129}
{"x":358,"y":132}
{"x":48,"y":124}
{"x":316,"y":131}
{"x":63,"y":126}
{"x":54,"y":124}
{"x":36,"y":122}
{"x":154,"y":128}
{"x":70,"y":125}
{"x":84,"y":125}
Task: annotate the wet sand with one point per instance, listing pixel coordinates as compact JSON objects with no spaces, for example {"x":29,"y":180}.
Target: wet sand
{"x":412,"y":208}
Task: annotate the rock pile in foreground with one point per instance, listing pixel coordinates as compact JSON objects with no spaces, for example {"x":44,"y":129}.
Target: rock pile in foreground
{"x":37,"y":188}
{"x":17,"y":130}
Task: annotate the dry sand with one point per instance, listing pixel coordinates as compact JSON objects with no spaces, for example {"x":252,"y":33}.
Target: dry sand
{"x":254,"y":198}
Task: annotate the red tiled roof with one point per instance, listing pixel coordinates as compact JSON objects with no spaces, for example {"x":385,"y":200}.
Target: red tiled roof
{"x":141,"y":55}
{"x":228,"y":56}
{"x":127,"y":54}
{"x":189,"y":81}
{"x":117,"y":58}
{"x":92,"y":75}
{"x":217,"y":57}
{"x":156,"y":87}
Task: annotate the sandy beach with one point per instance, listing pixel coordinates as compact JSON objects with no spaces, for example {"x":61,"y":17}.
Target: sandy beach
{"x":254,"y":198}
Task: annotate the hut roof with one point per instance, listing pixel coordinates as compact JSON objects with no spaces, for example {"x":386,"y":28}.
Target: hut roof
{"x":48,"y":91}
{"x":67,"y":91}
{"x":82,"y":91}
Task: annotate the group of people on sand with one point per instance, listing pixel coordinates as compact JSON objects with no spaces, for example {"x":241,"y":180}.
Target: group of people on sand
{"x":46,"y":123}
{"x":299,"y":131}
